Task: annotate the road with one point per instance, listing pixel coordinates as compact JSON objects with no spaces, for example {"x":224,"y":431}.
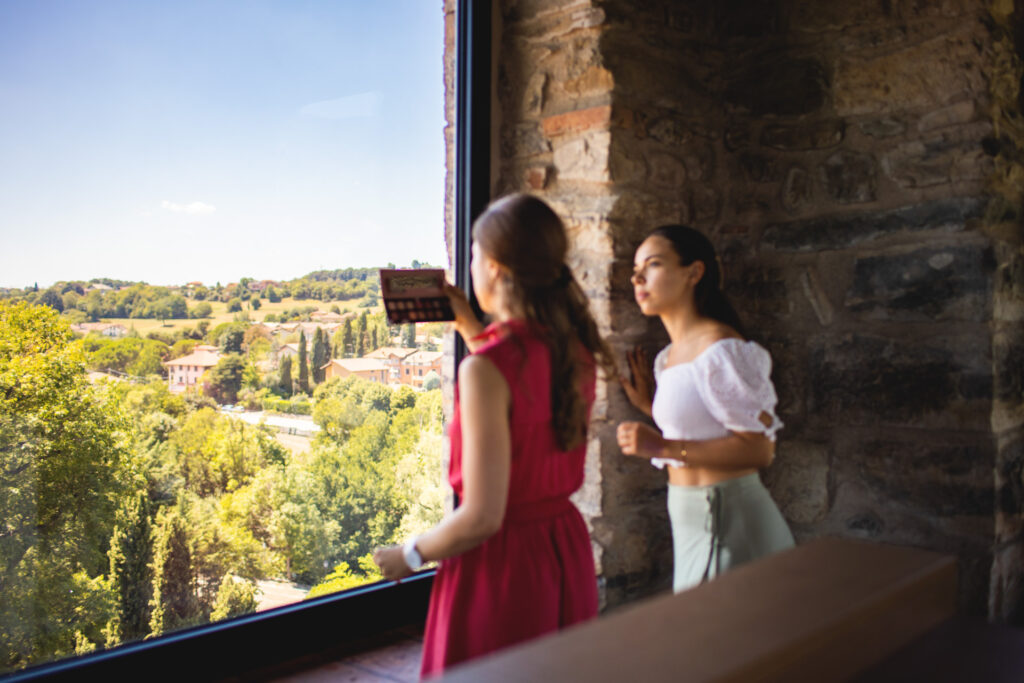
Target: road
{"x":277,"y":593}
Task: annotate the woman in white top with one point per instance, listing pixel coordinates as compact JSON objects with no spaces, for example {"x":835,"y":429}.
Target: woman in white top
{"x":714,"y":406}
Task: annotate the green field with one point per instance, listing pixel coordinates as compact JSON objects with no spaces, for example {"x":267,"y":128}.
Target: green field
{"x":220,"y":314}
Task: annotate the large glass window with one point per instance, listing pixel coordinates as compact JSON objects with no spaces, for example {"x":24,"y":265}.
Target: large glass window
{"x":222,"y":180}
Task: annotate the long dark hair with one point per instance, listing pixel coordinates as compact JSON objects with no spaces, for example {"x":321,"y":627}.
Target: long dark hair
{"x":691,"y":245}
{"x":522,"y":233}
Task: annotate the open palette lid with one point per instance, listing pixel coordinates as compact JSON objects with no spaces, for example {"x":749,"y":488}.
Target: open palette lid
{"x":415,"y":295}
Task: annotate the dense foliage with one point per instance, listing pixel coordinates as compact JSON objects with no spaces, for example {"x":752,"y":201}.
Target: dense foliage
{"x":128,"y":511}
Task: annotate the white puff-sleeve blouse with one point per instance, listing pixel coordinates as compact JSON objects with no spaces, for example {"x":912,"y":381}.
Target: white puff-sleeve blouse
{"x":724,"y":389}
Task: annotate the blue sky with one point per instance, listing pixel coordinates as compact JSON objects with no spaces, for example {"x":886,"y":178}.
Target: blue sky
{"x":177,"y":141}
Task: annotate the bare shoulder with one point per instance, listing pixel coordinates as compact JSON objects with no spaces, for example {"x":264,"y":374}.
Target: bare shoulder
{"x":478,"y":374}
{"x":713,"y":332}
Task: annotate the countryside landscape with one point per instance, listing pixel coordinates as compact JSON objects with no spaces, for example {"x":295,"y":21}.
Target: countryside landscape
{"x":150,"y":482}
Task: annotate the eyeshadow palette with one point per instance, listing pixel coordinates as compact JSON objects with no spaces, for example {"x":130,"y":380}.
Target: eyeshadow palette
{"x":415,"y":295}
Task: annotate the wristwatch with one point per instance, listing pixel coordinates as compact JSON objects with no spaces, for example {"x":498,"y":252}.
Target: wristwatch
{"x":411,"y":555}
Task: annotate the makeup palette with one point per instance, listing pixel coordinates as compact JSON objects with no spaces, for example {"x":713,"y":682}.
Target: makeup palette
{"x":415,"y":295}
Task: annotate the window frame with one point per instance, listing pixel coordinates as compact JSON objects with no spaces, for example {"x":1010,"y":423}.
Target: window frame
{"x":305,"y":630}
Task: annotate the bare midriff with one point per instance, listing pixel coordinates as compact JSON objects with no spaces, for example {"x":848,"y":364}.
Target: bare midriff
{"x":702,"y":476}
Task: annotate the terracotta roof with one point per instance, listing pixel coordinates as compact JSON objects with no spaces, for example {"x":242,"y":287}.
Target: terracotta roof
{"x":424,"y":357}
{"x":388,"y":351}
{"x":358,"y":364}
{"x":201,"y":357}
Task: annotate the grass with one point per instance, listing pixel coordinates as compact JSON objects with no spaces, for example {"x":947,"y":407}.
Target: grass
{"x":220,"y":314}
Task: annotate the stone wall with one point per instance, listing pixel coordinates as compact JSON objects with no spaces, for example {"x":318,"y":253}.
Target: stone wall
{"x":858,"y":166}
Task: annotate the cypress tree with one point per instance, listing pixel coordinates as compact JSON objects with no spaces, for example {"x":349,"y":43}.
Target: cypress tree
{"x":360,"y":333}
{"x":131,"y":556}
{"x":348,"y":339}
{"x":175,"y":599}
{"x":320,"y":355}
{"x":303,"y":383}
{"x":286,"y":375}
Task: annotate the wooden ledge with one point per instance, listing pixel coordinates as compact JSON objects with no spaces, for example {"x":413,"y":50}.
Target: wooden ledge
{"x":823,"y":611}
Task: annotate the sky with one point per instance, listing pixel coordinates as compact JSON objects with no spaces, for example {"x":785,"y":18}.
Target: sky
{"x":169,"y":142}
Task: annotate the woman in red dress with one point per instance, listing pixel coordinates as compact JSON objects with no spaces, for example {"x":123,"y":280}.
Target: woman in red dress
{"x":515,"y":556}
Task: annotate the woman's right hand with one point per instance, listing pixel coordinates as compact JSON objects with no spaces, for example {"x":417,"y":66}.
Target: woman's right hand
{"x":466,"y":322}
{"x":639,"y":387}
{"x":643,"y":441}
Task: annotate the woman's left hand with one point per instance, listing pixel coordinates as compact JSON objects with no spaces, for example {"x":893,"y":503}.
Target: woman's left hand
{"x":392,"y":563}
{"x":643,"y":441}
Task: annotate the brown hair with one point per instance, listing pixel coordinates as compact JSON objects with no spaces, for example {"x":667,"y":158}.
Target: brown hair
{"x":522,"y":233}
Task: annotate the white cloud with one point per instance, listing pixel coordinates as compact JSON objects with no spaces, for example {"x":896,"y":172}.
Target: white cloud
{"x":193,"y":207}
{"x":363,"y":105}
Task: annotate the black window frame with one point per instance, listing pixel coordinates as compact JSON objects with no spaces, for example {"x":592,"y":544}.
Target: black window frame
{"x":240,"y":647}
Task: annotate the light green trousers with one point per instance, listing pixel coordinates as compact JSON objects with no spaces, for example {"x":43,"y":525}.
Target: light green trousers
{"x":718,"y":527}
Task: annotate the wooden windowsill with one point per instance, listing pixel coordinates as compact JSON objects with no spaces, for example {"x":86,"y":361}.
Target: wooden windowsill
{"x":821,"y":612}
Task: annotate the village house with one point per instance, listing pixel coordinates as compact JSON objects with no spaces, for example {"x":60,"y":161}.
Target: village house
{"x":392,"y":357}
{"x":184,"y":373}
{"x":112,"y":330}
{"x":288,"y":350}
{"x":262,"y":285}
{"x":367,"y":368}
{"x":415,"y":367}
{"x":329,"y":316}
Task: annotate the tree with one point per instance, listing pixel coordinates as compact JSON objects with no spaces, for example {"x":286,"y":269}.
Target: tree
{"x":202,"y":310}
{"x":52,"y":299}
{"x":225,"y":379}
{"x":67,"y":466}
{"x":231,"y":340}
{"x":409,"y":336}
{"x":347,"y":339}
{"x":303,"y":384}
{"x":175,"y":602}
{"x":286,"y":376}
{"x":273,"y":296}
{"x":234,"y":305}
{"x":131,"y":555}
{"x":254,"y":303}
{"x":320,"y":355}
{"x":360,"y":336}
{"x":236,"y":596}
{"x":431,"y":381}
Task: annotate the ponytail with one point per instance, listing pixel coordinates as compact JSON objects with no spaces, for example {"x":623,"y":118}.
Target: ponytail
{"x":523,"y":233}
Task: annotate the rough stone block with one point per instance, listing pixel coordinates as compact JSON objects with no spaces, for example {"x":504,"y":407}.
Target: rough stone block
{"x":927,"y":74}
{"x":1009,"y":488}
{"x":885,"y":127}
{"x":816,"y":296}
{"x":838,"y":232}
{"x":850,"y":177}
{"x":1008,"y":361}
{"x":939,"y":283}
{"x":936,"y":480}
{"x":818,"y":135}
{"x":668,"y":130}
{"x":761,"y":168}
{"x":797,"y":190}
{"x":870,"y":380}
{"x":577,"y":121}
{"x":666,"y":170}
{"x":955,"y":114}
{"x":1007,"y":595}
{"x":798,"y":480}
{"x":523,"y":140}
{"x":583,"y":158}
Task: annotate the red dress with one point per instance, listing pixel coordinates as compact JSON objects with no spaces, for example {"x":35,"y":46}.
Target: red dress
{"x":536,"y":574}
